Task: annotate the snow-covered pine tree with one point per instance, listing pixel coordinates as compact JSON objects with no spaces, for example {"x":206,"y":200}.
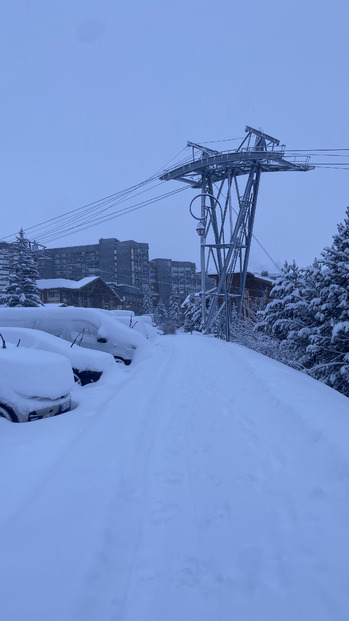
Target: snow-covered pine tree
{"x":160,"y":313}
{"x":22,"y":289}
{"x":193,"y":314}
{"x":148,"y":304}
{"x":175,"y":311}
{"x":298,"y":338}
{"x":219,"y":326}
{"x":287,"y":313}
{"x":329,"y":338}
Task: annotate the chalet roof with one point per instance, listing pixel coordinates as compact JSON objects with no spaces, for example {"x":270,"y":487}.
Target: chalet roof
{"x":64,"y":283}
{"x":270,"y":279}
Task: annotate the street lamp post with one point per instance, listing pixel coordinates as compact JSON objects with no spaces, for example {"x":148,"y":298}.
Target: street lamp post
{"x":201,"y":231}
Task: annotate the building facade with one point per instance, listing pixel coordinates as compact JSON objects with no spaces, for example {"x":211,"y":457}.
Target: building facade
{"x":256,"y":294}
{"x":71,"y":263}
{"x":124,"y":262}
{"x":160,"y":279}
{"x":131,"y":298}
{"x":167,"y":277}
{"x":5,"y":259}
{"x":133,"y":264}
{"x":183,"y":278}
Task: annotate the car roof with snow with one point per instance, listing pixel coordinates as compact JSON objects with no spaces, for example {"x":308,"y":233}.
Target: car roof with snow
{"x":69,"y":322}
{"x":80,"y":358}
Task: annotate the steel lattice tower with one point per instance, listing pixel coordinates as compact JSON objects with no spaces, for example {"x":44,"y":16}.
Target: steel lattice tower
{"x":226,"y":212}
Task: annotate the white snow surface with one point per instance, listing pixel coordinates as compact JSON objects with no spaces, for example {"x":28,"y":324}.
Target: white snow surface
{"x":205,"y":483}
{"x":64,"y":283}
{"x":140,"y":323}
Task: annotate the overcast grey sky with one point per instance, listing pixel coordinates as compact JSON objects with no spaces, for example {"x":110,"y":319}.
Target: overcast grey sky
{"x":97,"y":95}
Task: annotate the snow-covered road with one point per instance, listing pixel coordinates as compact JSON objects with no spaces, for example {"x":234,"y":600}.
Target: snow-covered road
{"x":205,"y":483}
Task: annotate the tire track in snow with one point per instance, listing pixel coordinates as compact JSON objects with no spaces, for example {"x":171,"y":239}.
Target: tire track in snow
{"x":108,"y":581}
{"x":178,"y":517}
{"x":165,"y":502}
{"x":164,"y":546}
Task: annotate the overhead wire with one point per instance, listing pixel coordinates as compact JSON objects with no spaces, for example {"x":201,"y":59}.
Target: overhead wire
{"x":223,"y":140}
{"x":42,"y":230}
{"x":86,"y":207}
{"x":91,"y":223}
{"x":44,"y":234}
{"x":315,"y":150}
{"x":100,"y":211}
{"x":59,"y":224}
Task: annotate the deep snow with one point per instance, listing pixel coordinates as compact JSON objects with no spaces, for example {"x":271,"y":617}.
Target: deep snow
{"x":205,"y":482}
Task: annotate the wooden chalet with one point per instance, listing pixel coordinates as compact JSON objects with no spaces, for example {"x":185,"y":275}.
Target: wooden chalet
{"x":90,"y":292}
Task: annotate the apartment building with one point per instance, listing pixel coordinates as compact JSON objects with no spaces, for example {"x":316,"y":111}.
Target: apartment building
{"x":5,"y":250}
{"x":72,"y":263}
{"x":133,"y":264}
{"x":124,"y":262}
{"x":167,"y":276}
{"x":183,"y":278}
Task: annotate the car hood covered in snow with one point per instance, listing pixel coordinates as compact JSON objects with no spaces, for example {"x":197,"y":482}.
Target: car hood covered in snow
{"x":35,"y":373}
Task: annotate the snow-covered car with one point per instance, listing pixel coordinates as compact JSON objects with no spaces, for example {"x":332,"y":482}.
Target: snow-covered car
{"x":33,"y":384}
{"x":87,"y":365}
{"x":140,"y":323}
{"x":90,"y":327}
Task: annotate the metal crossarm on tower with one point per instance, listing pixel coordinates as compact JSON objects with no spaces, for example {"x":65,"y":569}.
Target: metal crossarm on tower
{"x":226,"y":231}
